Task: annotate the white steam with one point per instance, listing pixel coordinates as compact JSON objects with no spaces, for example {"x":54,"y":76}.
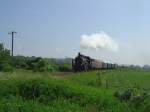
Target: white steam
{"x":98,"y":41}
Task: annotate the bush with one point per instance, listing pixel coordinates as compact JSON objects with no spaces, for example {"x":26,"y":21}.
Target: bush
{"x":40,"y":65}
{"x":20,"y":62}
{"x":65,"y":67}
{"x":7,"y":68}
{"x":123,"y":95}
{"x":51,"y":68}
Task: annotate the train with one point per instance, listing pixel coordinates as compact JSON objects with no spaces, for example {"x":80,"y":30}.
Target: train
{"x":86,"y":63}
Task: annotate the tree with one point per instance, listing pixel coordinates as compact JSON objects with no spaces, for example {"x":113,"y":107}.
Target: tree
{"x":40,"y":65}
{"x":5,"y":59}
{"x":20,"y":62}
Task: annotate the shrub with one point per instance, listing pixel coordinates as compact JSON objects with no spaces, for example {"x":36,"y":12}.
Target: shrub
{"x":65,"y":67}
{"x":40,"y":65}
{"x":7,"y":68}
{"x":51,"y":68}
{"x":123,"y":95}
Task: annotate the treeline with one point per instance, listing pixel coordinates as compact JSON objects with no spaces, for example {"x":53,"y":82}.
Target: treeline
{"x":144,"y":67}
{"x":8,"y":63}
{"x":42,"y":64}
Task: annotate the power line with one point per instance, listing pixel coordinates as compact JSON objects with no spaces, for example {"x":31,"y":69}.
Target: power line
{"x":12,"y":47}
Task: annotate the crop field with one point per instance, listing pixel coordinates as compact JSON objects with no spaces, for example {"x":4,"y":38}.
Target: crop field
{"x":121,"y":90}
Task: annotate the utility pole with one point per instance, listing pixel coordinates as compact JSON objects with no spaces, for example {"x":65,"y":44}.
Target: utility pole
{"x":12,"y":47}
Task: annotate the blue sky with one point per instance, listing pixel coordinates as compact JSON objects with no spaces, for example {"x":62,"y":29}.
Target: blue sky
{"x":53,"y":28}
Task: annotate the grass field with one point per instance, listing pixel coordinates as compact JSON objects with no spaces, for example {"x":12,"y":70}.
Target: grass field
{"x":95,"y":91}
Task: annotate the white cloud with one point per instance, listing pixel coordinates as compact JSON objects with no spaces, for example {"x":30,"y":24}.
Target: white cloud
{"x":98,"y":41}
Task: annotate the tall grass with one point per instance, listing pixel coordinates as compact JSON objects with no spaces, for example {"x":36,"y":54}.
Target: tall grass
{"x":44,"y":91}
{"x":26,"y":91}
{"x":115,"y":78}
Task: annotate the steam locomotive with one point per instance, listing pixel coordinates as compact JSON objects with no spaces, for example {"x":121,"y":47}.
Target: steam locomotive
{"x":85,"y":63}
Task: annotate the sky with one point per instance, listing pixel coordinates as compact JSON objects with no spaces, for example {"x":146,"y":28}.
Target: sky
{"x":55,"y":28}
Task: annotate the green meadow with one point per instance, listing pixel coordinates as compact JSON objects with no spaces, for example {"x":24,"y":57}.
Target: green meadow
{"x":121,"y":90}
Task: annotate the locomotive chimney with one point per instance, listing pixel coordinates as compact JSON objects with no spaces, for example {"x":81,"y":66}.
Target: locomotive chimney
{"x":79,"y":53}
